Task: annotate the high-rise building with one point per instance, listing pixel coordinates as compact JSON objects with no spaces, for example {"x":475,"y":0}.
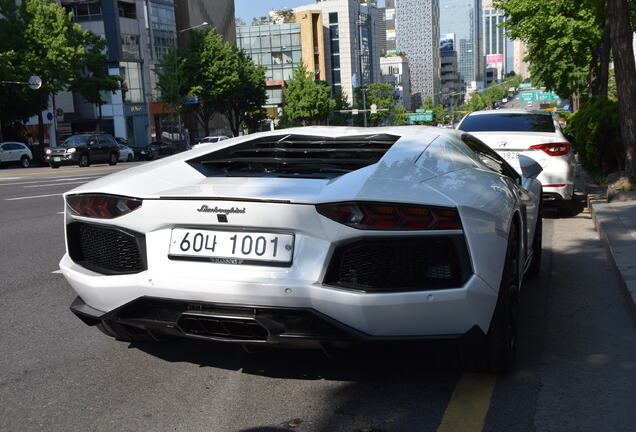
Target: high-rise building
{"x":389,"y":28}
{"x":351,"y":46}
{"x":395,"y":71}
{"x":453,"y":86}
{"x":520,"y":51}
{"x":498,"y":48}
{"x":280,"y":48}
{"x":463,"y":19}
{"x":417,"y":35}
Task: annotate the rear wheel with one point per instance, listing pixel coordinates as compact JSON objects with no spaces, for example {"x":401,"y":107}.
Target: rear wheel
{"x":129,"y":158}
{"x":25,"y":162}
{"x":113,"y":159}
{"x":495,"y":352}
{"x":83,"y":161}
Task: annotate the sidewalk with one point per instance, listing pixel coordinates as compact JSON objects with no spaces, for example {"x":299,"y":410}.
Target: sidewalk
{"x":616,"y":225}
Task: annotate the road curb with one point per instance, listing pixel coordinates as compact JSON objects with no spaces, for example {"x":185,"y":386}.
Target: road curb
{"x":620,"y":248}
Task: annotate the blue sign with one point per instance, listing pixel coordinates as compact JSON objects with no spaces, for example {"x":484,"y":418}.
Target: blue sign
{"x":49,"y":116}
{"x":354,"y":81}
{"x":193,"y":100}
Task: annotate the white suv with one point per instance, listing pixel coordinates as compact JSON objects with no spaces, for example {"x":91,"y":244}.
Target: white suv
{"x":535,"y":134}
{"x":15,"y":152}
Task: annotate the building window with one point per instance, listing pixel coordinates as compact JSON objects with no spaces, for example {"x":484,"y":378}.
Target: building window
{"x":335,"y":76}
{"x":334,"y":32}
{"x":333,"y":17}
{"x":335,"y":62}
{"x":85,"y":12}
{"x":335,"y":47}
{"x":389,"y":14}
{"x":133,"y":80}
{"x":127,"y":10}
{"x":130,"y":47}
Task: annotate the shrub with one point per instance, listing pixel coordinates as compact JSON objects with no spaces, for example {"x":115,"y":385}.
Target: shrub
{"x":595,"y":127}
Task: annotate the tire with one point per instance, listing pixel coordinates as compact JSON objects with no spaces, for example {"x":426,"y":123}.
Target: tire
{"x":565,"y":208}
{"x":25,"y":162}
{"x":537,"y":246}
{"x":113,"y":159}
{"x":495,"y":351}
{"x":129,"y":158}
{"x":83,"y":160}
{"x":55,"y":166}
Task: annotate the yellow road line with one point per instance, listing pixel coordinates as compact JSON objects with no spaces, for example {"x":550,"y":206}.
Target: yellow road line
{"x":64,"y":171}
{"x":468,"y":406}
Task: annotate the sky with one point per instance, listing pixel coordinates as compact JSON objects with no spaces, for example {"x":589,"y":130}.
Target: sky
{"x":248,"y":9}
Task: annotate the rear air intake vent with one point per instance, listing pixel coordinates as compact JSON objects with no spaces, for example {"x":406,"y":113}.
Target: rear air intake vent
{"x":295,"y":156}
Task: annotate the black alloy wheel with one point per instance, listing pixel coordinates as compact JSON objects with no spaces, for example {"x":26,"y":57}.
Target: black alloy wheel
{"x":83,"y":161}
{"x":495,"y":351}
{"x":113,"y":159}
{"x":25,"y":162}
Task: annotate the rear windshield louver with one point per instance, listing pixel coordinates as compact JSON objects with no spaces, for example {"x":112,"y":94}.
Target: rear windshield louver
{"x":295,"y":156}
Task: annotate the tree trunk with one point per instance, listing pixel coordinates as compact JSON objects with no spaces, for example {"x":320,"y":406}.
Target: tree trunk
{"x":54,"y":121}
{"x":40,"y":118}
{"x":603,"y":73}
{"x":625,"y":67}
{"x":233,"y":118}
{"x":99,"y":118}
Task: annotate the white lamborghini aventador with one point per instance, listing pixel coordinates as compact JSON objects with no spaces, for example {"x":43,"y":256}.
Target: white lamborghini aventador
{"x":311,"y":236}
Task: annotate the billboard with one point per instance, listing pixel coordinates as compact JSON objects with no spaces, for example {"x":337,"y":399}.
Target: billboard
{"x":447,"y":42}
{"x":494,"y":58}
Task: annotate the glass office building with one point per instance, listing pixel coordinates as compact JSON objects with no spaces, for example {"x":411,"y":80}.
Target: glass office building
{"x":463,"y":19}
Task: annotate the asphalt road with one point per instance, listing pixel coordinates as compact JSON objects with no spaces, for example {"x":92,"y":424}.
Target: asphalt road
{"x":576,"y":366}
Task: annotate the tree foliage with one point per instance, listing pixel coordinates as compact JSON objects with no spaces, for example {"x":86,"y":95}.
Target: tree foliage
{"x":382,"y":95}
{"x":222,"y":78}
{"x":307,"y":100}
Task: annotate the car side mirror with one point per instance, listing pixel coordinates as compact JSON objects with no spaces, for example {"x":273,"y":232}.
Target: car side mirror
{"x":529,"y":167}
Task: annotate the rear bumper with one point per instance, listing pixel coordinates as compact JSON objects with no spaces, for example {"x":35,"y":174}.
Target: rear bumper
{"x":395,"y":315}
{"x":254,"y":325}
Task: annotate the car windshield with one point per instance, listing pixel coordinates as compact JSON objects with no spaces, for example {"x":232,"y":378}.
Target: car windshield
{"x":75,"y":141}
{"x":210,"y":140}
{"x":508,"y":122}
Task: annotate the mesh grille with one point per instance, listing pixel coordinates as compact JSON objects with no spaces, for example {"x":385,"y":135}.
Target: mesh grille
{"x":106,"y":250}
{"x":397,"y":265}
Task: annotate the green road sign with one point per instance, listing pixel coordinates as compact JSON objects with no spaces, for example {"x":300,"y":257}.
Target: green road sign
{"x":421,"y":117}
{"x":547,"y":96}
{"x":527,"y":96}
{"x":420,"y":110}
{"x":525,"y":85}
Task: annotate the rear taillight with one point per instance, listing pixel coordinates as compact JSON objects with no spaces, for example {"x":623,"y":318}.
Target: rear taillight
{"x":101,"y":206}
{"x":553,"y":149}
{"x":386,"y":216}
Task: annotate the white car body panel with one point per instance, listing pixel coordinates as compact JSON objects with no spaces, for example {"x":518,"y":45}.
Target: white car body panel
{"x":10,"y":156}
{"x":124,"y":152}
{"x":426,"y":165}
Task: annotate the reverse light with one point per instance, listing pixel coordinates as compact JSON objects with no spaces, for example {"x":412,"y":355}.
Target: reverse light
{"x":101,"y":206}
{"x":553,"y":149}
{"x":387,"y":216}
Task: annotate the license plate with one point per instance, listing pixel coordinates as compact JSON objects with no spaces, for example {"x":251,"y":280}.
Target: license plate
{"x":231,"y":247}
{"x":510,"y":155}
{"x":57,"y":159}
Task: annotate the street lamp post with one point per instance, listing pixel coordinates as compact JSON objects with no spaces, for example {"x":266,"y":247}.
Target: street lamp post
{"x":176,"y":72}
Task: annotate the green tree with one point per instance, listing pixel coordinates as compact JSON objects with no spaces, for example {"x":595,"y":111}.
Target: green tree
{"x":399,"y":115}
{"x":562,"y":38}
{"x":307,"y":100}
{"x":341,"y":103}
{"x":247,"y":96}
{"x":93,"y":79}
{"x":54,"y":48}
{"x":382,"y":95}
{"x":439,"y":113}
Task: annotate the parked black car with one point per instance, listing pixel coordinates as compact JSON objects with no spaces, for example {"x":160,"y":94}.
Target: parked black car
{"x":145,"y":152}
{"x":163,"y":148}
{"x":84,"y":150}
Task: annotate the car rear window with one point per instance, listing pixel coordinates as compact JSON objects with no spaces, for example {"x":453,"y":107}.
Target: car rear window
{"x":508,"y":122}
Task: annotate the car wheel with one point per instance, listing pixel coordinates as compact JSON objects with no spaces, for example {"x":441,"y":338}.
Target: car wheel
{"x":129,"y":158}
{"x":537,"y":246}
{"x":495,"y":351}
{"x":25,"y":162}
{"x":113,"y":159}
{"x":55,"y":166}
{"x":83,"y":161}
